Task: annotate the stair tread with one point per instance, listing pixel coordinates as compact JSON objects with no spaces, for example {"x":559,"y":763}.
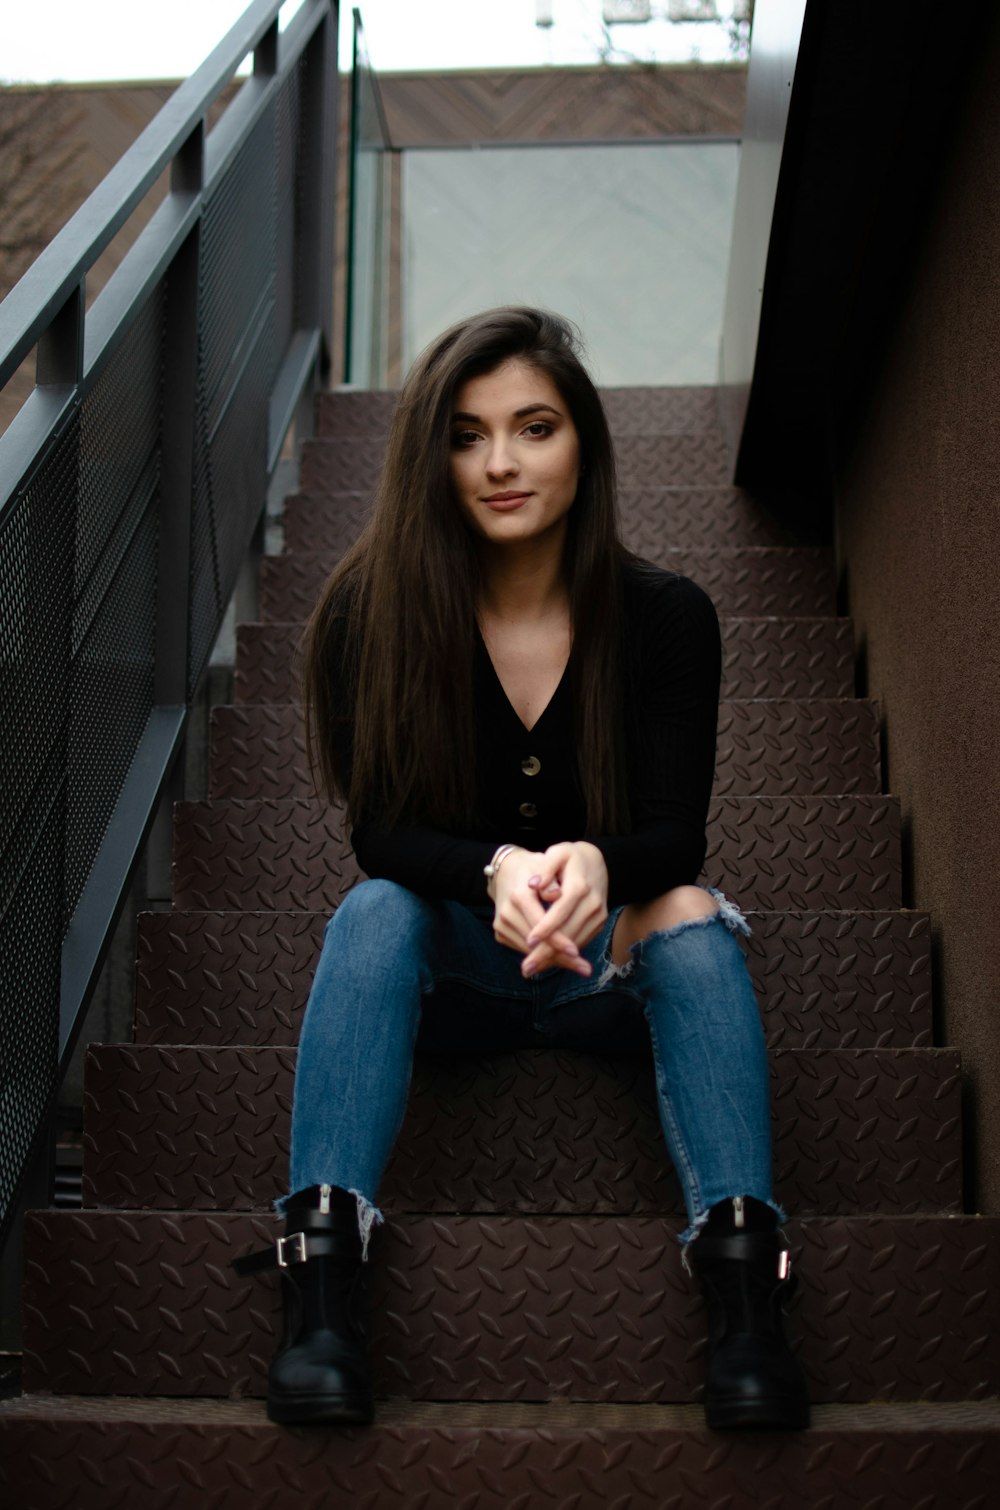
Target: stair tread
{"x":508,"y":1307}
{"x":743,"y":580}
{"x":876,"y":1418}
{"x":763,"y":656}
{"x":777,"y":747}
{"x":823,"y":979}
{"x":645,"y":409}
{"x":651,"y":519}
{"x":942,"y":1456}
{"x":690,"y":457}
{"x":876,"y":1130}
{"x":769,"y":852}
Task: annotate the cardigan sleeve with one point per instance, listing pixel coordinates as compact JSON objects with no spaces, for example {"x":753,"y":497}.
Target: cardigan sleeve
{"x":427,"y":860}
{"x":673,"y":656}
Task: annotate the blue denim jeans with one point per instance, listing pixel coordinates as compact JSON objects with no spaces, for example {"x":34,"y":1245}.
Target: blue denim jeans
{"x":395,"y":965}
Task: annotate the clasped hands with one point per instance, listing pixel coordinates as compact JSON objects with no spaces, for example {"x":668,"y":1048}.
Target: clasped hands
{"x":549,"y":904}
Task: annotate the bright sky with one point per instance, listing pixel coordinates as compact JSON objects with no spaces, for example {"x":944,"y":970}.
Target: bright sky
{"x":46,"y":40}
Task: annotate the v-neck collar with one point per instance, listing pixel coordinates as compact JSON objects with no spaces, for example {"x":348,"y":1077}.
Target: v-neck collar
{"x":501,"y":689}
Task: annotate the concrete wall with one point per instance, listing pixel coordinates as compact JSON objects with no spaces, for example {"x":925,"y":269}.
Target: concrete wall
{"x":918,"y":527}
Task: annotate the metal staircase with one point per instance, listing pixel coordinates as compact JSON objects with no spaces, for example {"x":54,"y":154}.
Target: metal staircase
{"x":537,"y":1341}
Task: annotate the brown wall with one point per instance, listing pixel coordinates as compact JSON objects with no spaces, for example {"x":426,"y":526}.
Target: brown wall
{"x":563,"y":104}
{"x":919,"y":542}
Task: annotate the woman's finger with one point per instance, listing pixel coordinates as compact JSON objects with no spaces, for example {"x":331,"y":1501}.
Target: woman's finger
{"x":544,"y":958}
{"x":556,"y":920}
{"x":563,"y":947}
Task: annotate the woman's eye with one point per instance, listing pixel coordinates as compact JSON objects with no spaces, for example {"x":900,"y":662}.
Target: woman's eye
{"x":538,"y":427}
{"x":461,"y":438}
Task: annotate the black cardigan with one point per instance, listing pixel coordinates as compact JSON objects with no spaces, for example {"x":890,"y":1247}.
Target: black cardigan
{"x":528,"y":780}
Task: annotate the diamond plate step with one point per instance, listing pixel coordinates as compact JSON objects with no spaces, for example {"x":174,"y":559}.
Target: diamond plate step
{"x":630,"y":411}
{"x":692,"y":459}
{"x":653,"y":519}
{"x":167,"y":1454}
{"x":809,"y":853}
{"x":762,"y":658}
{"x":869,"y":1130}
{"x":775,"y":748}
{"x":823,"y":979}
{"x":509,"y":1308}
{"x":750,"y":581}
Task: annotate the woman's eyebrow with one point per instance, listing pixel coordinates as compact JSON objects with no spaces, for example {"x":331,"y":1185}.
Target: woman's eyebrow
{"x":461,"y":416}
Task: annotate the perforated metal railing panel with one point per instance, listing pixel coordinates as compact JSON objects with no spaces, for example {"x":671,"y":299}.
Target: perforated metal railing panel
{"x":78,"y":568}
{"x":246,"y":300}
{"x":130,"y":496}
{"x":115,"y":584}
{"x":36,"y":578}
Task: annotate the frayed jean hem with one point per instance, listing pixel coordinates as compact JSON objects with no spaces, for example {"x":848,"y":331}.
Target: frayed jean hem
{"x":369,"y":1216}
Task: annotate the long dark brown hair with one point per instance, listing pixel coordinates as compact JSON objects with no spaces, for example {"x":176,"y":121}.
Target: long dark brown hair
{"x":389,"y":649}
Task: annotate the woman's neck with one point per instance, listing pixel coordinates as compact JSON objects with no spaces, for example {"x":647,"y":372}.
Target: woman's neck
{"x":526,"y":583}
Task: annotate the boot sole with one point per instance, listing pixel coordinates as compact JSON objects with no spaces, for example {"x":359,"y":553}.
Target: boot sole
{"x":757,"y":1415}
{"x":321,"y":1410}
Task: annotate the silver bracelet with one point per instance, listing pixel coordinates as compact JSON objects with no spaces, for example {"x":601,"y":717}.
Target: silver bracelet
{"x":499,"y":856}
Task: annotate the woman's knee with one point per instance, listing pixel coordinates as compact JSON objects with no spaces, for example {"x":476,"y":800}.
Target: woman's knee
{"x":681,"y":904}
{"x":379,"y":907}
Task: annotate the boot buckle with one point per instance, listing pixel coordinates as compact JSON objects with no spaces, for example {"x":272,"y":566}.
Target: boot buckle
{"x":298,"y":1240}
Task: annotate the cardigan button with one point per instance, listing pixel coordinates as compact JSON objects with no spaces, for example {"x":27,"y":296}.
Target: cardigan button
{"x":531,"y":766}
{"x":528,"y":810}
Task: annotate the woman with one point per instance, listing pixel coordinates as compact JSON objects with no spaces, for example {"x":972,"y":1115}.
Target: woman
{"x":521,"y":719}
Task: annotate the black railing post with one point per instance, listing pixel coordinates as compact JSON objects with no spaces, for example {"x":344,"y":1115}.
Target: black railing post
{"x":265,"y":54}
{"x":180,"y":386}
{"x":180,"y":390}
{"x":59,"y":357}
{"x":317,"y":186}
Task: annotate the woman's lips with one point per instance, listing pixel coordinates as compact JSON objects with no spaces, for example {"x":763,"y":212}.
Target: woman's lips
{"x":503,"y":503}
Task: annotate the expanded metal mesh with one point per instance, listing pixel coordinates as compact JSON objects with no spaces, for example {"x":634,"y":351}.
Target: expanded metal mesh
{"x":82,"y":549}
{"x":77,"y":648}
{"x":288,"y":122}
{"x":247,"y":296}
{"x":235,"y":364}
{"x":36,"y":595}
{"x":114,"y":605}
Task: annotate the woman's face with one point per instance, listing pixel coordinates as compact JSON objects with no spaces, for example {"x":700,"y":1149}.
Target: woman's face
{"x":515,"y":454}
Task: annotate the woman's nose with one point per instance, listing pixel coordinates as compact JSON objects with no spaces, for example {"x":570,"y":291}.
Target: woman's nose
{"x":501,"y":461}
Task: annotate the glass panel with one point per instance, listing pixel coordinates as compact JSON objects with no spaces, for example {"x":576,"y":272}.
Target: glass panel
{"x":366,"y":354}
{"x":630,"y":241}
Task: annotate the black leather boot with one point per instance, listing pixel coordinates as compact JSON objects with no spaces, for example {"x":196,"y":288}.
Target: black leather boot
{"x":744,"y":1269}
{"x":320,"y":1372}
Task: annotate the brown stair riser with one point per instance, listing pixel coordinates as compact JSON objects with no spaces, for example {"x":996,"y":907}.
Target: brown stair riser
{"x":208,"y":1129}
{"x":779,"y":748}
{"x":768,"y":853}
{"x":653,"y":519}
{"x":692,"y":459}
{"x":824,"y":980}
{"x":630,"y":411}
{"x":508,"y":1308}
{"x":777,"y":581}
{"x":169,"y":1456}
{"x":762,"y":658}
